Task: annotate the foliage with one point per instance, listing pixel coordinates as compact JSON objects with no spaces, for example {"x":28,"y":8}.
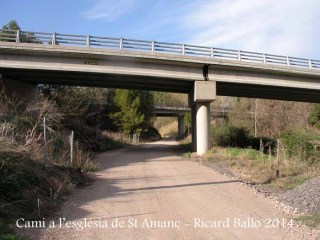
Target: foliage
{"x":314,"y":117}
{"x":299,"y":144}
{"x":230,"y":136}
{"x":188,"y":121}
{"x":240,"y":114}
{"x":151,"y":134}
{"x":135,"y":110}
{"x":12,"y":26}
{"x":170,"y":99}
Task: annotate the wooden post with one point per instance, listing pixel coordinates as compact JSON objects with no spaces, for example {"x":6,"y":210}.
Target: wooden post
{"x":71,"y":146}
{"x":45,"y":139}
{"x":270,"y":157}
{"x":278,"y":151}
{"x":261,"y":150}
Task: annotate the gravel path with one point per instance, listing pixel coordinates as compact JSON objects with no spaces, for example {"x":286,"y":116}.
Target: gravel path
{"x":147,"y":192}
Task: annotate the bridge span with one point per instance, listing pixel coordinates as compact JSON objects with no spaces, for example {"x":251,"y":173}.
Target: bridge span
{"x":31,"y":58}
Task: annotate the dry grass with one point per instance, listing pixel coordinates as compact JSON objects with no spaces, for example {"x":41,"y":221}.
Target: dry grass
{"x":167,"y":127}
{"x":256,"y":167}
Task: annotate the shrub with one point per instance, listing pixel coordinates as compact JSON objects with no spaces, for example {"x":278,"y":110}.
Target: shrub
{"x":300,"y":144}
{"x":255,"y":143}
{"x":151,"y":134}
{"x":230,"y":136}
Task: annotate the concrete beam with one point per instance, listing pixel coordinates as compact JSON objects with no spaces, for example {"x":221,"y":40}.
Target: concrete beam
{"x":204,"y":91}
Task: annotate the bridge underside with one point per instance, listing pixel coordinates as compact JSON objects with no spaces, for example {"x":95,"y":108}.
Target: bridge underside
{"x":157,"y":84}
{"x":201,"y":78}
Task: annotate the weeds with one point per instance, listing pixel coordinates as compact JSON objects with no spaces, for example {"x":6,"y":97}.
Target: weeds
{"x":312,"y":221}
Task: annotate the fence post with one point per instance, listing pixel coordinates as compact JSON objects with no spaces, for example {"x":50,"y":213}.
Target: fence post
{"x":71,"y":146}
{"x":270,"y":157}
{"x":45,"y":138}
{"x":183,"y":49}
{"x":278,"y":151}
{"x":239,"y":55}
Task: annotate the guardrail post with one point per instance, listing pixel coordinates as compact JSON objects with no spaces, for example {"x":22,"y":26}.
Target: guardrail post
{"x":121,"y":43}
{"x":183,"y":49}
{"x":239,"y":55}
{"x":88,"y":41}
{"x":212,"y":52}
{"x":310,"y":63}
{"x":18,"y":36}
{"x":288,"y":61}
{"x":264,"y":60}
{"x":152,"y":46}
{"x":53,"y":39}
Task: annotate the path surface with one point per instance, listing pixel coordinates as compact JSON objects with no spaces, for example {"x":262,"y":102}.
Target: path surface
{"x":150,"y":183}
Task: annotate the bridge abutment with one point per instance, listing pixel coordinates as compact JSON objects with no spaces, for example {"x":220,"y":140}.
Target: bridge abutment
{"x":20,"y":89}
{"x":203,"y":94}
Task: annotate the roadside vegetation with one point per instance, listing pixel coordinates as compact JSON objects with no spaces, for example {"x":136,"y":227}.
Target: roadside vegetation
{"x":312,"y":220}
{"x":274,"y":144}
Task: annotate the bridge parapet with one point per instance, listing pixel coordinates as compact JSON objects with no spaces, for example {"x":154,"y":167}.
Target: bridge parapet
{"x":19,"y":36}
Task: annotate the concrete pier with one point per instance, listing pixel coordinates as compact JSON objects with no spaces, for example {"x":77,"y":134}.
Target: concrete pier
{"x":204,"y":93}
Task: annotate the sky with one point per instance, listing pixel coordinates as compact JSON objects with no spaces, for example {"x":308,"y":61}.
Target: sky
{"x":286,"y":27}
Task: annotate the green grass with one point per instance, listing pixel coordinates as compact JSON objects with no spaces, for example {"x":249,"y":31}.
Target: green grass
{"x":254,"y":166}
{"x":6,"y":233}
{"x":235,"y":153}
{"x":312,"y":221}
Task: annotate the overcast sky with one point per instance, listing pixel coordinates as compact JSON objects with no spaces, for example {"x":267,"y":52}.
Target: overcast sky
{"x":287,"y":27}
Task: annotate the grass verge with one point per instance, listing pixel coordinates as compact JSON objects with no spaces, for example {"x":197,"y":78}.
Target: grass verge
{"x":312,"y":221}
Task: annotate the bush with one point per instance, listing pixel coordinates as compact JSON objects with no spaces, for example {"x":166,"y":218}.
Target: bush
{"x":255,"y":143}
{"x":151,"y":134}
{"x":230,"y":136}
{"x":300,"y":144}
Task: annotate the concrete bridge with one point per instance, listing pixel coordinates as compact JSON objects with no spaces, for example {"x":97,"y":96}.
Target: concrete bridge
{"x":180,"y":112}
{"x":201,"y":72}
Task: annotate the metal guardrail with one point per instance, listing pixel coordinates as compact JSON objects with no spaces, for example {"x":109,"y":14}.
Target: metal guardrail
{"x":156,"y":47}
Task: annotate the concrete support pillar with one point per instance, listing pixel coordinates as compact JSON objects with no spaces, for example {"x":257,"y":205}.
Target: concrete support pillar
{"x":204,"y":93}
{"x":180,"y":126}
{"x":203,"y":127}
{"x":194,"y":127}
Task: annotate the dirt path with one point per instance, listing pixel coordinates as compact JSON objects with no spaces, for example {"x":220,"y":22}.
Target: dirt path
{"x":153,"y":194}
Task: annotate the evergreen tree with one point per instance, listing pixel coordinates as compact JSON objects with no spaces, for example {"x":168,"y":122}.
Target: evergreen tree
{"x":11,"y":27}
{"x":135,"y":110}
